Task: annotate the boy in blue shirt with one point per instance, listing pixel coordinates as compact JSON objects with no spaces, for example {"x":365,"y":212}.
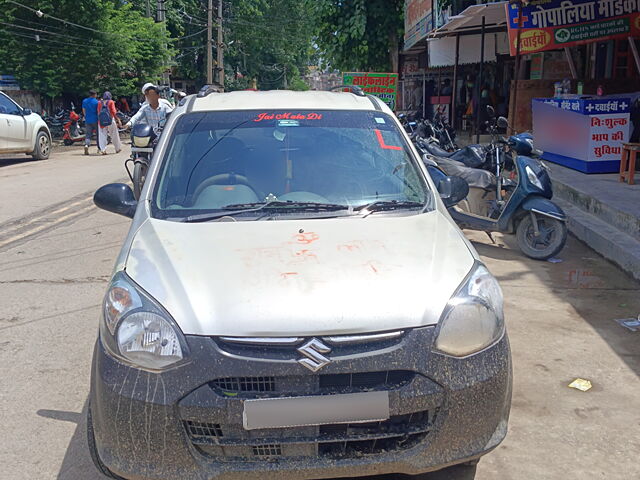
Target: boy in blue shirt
{"x":90,"y":112}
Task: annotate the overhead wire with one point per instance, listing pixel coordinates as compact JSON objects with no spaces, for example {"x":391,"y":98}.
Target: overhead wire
{"x":67,"y":22}
{"x":45,"y":32}
{"x":48,"y":40}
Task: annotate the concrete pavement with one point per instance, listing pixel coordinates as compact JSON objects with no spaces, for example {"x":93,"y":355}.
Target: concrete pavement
{"x":559,"y":316}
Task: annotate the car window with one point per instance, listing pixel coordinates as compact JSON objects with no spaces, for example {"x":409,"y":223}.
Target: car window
{"x":352,"y":158}
{"x":7,"y":106}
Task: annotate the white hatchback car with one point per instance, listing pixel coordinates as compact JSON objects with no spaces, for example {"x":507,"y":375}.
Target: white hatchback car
{"x":22,"y":131}
{"x":294,"y":301}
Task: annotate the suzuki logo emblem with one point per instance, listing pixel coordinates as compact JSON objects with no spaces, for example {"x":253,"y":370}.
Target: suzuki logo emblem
{"x":313,"y":351}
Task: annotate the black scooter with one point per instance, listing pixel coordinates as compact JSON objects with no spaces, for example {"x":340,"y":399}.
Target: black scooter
{"x":513,"y":198}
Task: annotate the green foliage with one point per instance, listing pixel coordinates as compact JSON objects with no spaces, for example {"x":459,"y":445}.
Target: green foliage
{"x":360,"y":35}
{"x":271,"y":39}
{"x":125,"y":49}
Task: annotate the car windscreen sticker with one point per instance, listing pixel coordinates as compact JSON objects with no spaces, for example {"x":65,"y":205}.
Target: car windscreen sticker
{"x":288,"y":123}
{"x":383,"y":145}
{"x":380,"y":120}
{"x":288,"y":116}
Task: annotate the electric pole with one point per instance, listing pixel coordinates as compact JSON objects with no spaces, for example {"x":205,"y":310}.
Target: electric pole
{"x":161,"y":17}
{"x":209,"y":41}
{"x":148,"y":8}
{"x":220,"y":49}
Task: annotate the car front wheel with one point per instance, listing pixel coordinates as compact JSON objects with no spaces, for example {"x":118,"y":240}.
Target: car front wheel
{"x":43,"y":146}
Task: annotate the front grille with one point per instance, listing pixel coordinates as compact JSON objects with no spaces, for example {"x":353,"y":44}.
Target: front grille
{"x":201,"y":430}
{"x":245,"y":384}
{"x":385,"y":380}
{"x":335,"y":441}
{"x":253,"y":387}
{"x":270,"y":450}
{"x":286,"y":349}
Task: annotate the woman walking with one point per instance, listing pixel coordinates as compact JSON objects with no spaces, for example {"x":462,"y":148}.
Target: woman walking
{"x":109,"y":123}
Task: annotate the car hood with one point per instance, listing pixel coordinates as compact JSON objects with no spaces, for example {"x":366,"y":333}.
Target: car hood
{"x":301,"y":277}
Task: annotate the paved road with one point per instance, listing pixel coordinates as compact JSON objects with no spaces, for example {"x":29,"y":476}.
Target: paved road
{"x":56,"y":255}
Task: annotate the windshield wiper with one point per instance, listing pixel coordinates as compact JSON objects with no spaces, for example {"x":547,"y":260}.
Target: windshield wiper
{"x":240,"y":208}
{"x":383,"y":205}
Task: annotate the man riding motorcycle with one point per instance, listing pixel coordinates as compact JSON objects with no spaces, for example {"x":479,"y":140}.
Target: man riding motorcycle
{"x":152,"y":115}
{"x":154,"y":111}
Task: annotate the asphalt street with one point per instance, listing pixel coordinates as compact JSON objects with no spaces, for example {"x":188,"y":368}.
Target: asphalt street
{"x":56,"y":255}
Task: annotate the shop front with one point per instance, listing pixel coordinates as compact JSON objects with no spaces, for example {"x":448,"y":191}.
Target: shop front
{"x":572,"y":57}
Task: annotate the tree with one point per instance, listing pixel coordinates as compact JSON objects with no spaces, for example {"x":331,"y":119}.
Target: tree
{"x":101,"y":44}
{"x":360,"y":34}
{"x":272,"y":41}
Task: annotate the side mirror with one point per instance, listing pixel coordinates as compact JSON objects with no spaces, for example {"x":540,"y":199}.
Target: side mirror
{"x":503,"y":122}
{"x":453,"y":190}
{"x":117,"y":198}
{"x":26,"y":112}
{"x":491,"y":112}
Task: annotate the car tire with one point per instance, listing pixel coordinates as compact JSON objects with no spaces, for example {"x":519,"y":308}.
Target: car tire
{"x":93,"y":450}
{"x":43,"y":146}
{"x":457,"y":472}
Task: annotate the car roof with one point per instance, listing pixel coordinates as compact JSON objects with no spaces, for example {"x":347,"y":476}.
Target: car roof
{"x":286,"y":99}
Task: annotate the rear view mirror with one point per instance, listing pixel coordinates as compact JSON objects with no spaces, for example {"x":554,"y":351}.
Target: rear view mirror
{"x":491,"y":112}
{"x":503,"y":123}
{"x":453,"y":190}
{"x":117,"y":198}
{"x":26,"y":112}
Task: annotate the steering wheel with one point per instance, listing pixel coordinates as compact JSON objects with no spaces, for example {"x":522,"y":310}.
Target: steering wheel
{"x":224,"y":179}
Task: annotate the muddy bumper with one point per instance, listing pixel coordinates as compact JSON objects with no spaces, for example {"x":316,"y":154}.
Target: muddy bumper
{"x":188,"y":422}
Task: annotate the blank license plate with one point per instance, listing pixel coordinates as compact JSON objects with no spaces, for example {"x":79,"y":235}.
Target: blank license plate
{"x":318,"y":410}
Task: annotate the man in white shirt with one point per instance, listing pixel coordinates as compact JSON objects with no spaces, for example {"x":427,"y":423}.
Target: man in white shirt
{"x":154,"y":111}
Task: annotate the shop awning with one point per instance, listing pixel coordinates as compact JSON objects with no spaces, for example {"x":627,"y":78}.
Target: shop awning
{"x":442,"y":51}
{"x":470,"y":20}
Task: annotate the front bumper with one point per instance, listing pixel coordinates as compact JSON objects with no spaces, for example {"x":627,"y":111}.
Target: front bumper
{"x":187,"y":422}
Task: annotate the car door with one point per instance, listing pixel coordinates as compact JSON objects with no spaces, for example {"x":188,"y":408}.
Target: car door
{"x":13,"y":126}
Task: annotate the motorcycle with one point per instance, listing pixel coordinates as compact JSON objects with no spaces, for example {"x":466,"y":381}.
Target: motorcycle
{"x":445,"y":134}
{"x":143,"y":140}
{"x":56,"y":122}
{"x":512,"y":194}
{"x":72,"y":131}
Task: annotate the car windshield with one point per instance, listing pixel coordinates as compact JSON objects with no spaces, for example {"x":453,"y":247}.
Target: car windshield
{"x":317,"y":160}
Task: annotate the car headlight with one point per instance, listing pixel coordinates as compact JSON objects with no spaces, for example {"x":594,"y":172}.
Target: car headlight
{"x":533,"y":178}
{"x":137,"y":330}
{"x":473,"y":319}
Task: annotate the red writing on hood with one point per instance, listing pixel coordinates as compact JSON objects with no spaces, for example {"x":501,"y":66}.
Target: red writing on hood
{"x":287,"y":116}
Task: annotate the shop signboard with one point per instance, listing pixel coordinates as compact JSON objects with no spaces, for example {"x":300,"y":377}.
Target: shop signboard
{"x":417,"y":21}
{"x":537,"y":63}
{"x":553,"y":24}
{"x":381,"y":85}
{"x":583,"y":134}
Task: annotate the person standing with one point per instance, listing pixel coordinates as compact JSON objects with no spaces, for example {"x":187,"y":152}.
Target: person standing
{"x":123,"y":105}
{"x":90,"y":112}
{"x":108,"y":123}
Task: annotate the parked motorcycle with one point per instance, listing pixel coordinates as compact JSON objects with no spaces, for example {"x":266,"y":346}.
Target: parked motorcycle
{"x":72,"y":131}
{"x":56,"y":122}
{"x":514,"y":197}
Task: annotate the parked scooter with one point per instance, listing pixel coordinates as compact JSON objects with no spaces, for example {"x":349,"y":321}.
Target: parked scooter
{"x":513,"y":198}
{"x":72,"y":131}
